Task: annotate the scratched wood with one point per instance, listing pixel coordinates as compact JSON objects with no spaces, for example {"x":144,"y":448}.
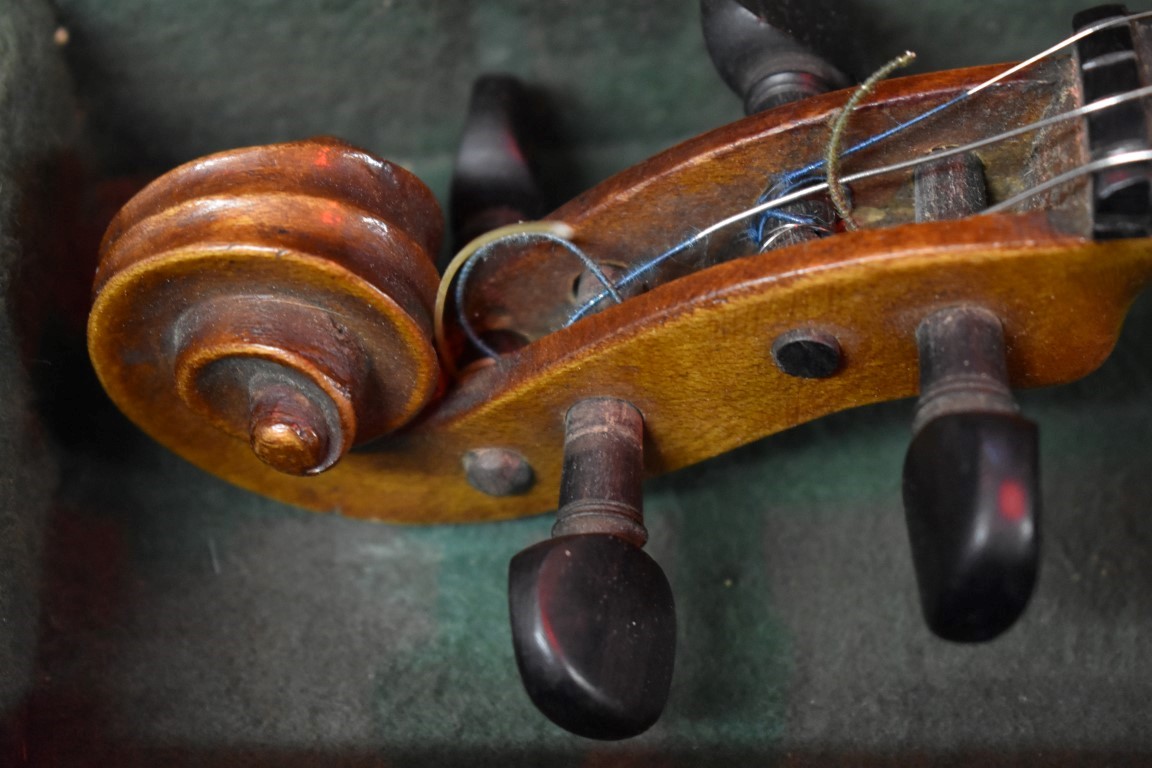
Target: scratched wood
{"x":693,"y":353}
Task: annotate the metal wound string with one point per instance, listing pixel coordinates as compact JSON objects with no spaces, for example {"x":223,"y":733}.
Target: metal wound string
{"x":794,"y":178}
{"x":784,"y":191}
{"x":791,"y":178}
{"x":1111,"y":161}
{"x":473,"y":253}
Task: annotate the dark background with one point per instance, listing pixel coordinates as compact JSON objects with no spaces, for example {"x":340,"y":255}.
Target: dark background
{"x":153,"y":615}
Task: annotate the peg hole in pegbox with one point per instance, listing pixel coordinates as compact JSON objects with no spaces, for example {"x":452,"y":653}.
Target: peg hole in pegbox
{"x":278,"y":296}
{"x":587,"y":286}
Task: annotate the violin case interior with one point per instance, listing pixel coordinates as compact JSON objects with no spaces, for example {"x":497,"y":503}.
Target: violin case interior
{"x":151,"y":614}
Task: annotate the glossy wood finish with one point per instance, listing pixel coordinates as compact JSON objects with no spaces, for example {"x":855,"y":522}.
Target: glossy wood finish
{"x":656,"y":204}
{"x":281,"y":294}
{"x":693,"y":354}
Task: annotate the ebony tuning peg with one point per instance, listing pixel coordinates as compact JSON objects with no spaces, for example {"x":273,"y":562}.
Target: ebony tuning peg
{"x":971,"y":486}
{"x":492,"y":181}
{"x":593,"y":619}
{"x":760,"y":58}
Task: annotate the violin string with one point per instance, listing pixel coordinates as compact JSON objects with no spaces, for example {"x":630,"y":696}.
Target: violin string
{"x":520,"y":237}
{"x":783,"y":229}
{"x":1096,"y":106}
{"x":521,"y":233}
{"x":465,"y":256}
{"x":1115,"y":21}
{"x":808,"y":170}
{"x":833,"y":156}
{"x":786,"y":192}
{"x":822,"y":186}
{"x":815,"y":166}
{"x":1111,"y":161}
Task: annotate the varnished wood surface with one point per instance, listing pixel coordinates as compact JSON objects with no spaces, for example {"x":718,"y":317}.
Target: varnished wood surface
{"x":652,"y":206}
{"x":694,"y":357}
{"x":302,"y":269}
{"x":693,"y":354}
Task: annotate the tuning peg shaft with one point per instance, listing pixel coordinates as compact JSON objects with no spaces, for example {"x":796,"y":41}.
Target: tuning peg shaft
{"x":593,"y":618}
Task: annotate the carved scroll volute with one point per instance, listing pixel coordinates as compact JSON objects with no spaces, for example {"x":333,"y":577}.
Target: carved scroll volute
{"x":283,"y":294}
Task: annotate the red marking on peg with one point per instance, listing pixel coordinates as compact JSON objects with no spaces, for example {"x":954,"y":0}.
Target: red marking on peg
{"x":1013,"y":501}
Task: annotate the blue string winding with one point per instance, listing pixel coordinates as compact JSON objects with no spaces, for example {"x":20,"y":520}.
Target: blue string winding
{"x":521,"y":238}
{"x":782,"y":185}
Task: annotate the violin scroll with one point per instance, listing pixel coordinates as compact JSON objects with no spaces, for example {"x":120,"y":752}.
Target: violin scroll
{"x":269,"y":313}
{"x":351,"y":271}
{"x":281,"y":294}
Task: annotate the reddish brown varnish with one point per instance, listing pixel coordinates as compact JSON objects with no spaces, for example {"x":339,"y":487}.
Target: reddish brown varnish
{"x":692,"y":354}
{"x":282,"y":294}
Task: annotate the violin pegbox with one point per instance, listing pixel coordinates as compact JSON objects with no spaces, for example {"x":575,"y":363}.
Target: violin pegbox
{"x":263,"y":311}
{"x":275,"y":298}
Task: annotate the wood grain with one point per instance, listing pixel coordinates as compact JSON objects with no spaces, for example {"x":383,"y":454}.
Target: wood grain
{"x":693,"y":354}
{"x":283,"y":293}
